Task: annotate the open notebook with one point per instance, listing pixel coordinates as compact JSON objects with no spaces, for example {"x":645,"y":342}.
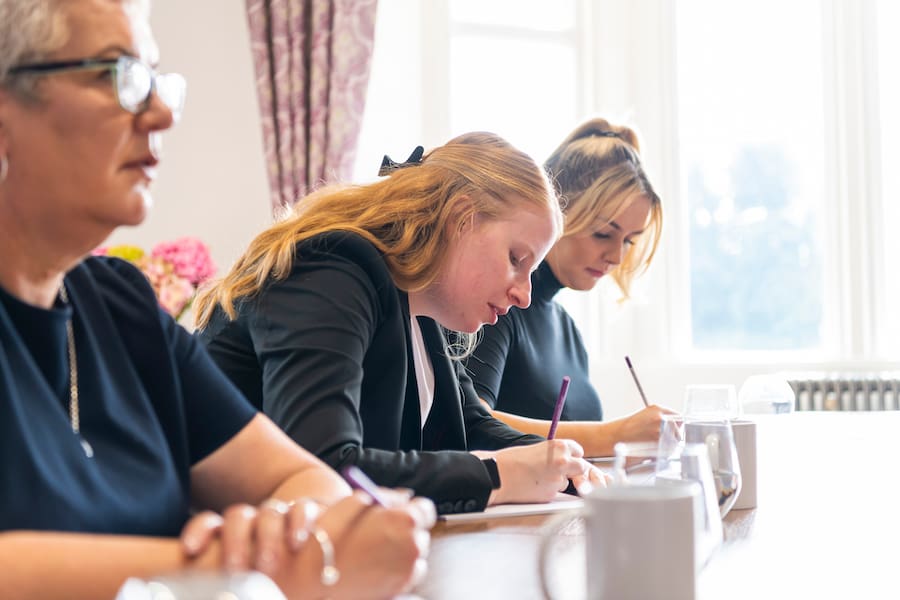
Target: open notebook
{"x":560,"y":503}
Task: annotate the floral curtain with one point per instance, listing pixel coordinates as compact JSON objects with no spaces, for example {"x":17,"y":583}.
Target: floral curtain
{"x":311,"y":59}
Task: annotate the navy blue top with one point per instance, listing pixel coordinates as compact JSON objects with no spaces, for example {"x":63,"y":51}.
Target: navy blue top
{"x":326,"y":353}
{"x":151,"y":405}
{"x":519,"y":363}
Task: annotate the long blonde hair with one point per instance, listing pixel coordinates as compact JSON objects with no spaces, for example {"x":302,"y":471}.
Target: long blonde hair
{"x":409,"y":216}
{"x":597,"y":172}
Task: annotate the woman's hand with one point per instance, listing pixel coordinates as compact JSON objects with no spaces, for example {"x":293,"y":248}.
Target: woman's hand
{"x":594,"y":478}
{"x":643,"y":425}
{"x":259,"y":538}
{"x":379,"y":552}
{"x":536,"y":473}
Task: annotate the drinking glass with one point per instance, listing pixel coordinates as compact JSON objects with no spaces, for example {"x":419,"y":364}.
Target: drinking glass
{"x":712,"y":400}
{"x":648,"y":463}
{"x":635,"y":463}
{"x":717,"y":436}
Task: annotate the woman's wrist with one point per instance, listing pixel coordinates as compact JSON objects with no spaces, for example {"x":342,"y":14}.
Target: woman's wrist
{"x":314,"y":571}
{"x":604,"y":436}
{"x":499,"y":494}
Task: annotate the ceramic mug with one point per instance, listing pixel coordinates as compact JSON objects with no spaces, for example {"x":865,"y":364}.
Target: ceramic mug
{"x":639,"y":542}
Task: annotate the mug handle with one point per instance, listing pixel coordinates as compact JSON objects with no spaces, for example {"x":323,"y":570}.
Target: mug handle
{"x":548,"y":533}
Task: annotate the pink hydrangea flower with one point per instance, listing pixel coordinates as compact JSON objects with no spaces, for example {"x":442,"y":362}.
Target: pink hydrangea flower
{"x":189,"y":257}
{"x":174,"y":269}
{"x":173,"y":292}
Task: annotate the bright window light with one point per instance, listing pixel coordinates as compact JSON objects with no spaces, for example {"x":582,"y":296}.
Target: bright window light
{"x":751,"y":152}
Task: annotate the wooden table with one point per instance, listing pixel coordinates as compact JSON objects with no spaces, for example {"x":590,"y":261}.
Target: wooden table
{"x":827,"y":525}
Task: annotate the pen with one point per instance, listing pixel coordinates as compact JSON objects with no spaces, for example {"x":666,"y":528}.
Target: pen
{"x":636,"y":382}
{"x":557,"y":411}
{"x":360,"y":481}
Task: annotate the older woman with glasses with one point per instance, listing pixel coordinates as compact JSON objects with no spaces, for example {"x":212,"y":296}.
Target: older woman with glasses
{"x":114,"y":423}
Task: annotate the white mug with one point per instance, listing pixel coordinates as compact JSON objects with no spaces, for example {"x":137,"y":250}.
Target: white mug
{"x":745,"y":442}
{"x":639,"y":542}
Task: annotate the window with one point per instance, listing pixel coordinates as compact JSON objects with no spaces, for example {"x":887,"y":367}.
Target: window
{"x":443,"y":68}
{"x":534,"y":100}
{"x":752,"y":168}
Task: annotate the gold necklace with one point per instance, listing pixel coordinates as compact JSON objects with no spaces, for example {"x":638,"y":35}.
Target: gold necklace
{"x":74,"y":419}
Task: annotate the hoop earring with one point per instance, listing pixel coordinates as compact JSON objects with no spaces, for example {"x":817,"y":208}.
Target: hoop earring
{"x":4,"y":168}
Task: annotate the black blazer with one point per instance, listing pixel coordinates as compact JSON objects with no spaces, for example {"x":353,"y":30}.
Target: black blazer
{"x":327,"y":354}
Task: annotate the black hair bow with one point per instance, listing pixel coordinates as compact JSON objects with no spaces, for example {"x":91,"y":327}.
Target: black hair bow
{"x":388,"y":166}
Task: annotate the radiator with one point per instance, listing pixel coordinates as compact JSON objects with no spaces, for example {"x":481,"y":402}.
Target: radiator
{"x":846,"y":391}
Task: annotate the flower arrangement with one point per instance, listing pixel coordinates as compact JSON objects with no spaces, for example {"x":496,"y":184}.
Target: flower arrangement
{"x":175,"y":269}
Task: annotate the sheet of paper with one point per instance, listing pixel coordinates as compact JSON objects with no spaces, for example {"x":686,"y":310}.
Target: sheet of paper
{"x":560,"y":503}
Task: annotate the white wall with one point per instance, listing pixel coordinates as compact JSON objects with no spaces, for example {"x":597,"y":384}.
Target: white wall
{"x":212,"y":182}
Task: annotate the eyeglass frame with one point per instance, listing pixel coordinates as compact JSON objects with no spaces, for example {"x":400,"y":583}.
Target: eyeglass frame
{"x":113,"y":65}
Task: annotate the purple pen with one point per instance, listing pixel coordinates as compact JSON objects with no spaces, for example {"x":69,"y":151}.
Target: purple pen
{"x":637,"y":382}
{"x":557,"y":410}
{"x":360,"y":481}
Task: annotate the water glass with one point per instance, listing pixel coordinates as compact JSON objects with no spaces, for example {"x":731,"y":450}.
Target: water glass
{"x":718,"y":437}
{"x":651,"y":464}
{"x":710,"y":400}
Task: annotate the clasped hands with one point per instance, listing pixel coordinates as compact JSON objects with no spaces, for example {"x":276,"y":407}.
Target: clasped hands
{"x":374,"y":552}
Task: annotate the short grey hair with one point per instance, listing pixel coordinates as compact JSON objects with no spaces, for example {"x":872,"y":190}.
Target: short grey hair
{"x":30,"y":30}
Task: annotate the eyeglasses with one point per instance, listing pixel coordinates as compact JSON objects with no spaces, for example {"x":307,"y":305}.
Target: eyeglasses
{"x":133,"y":81}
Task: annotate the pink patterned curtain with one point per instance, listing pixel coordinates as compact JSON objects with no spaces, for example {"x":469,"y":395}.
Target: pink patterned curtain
{"x":311,"y":59}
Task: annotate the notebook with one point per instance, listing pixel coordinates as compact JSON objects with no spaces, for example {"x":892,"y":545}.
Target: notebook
{"x":562,"y":502}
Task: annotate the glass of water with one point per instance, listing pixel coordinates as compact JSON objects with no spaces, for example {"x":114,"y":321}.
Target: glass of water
{"x":717,"y":435}
{"x":664,"y":464}
{"x":710,"y":400}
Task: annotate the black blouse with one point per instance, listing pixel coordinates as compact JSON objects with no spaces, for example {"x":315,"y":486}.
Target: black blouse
{"x":151,"y":405}
{"x":327,"y":354}
{"x":519,"y":363}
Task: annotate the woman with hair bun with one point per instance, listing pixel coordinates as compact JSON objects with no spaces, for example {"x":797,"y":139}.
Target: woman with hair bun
{"x":612,"y":228}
